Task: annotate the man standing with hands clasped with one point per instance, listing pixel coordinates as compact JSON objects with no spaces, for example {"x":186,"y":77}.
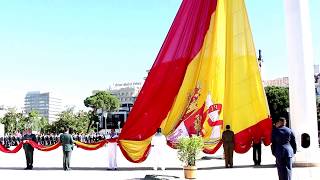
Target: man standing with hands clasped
{"x":67,"y":147}
{"x":28,"y":149}
{"x":283,"y":148}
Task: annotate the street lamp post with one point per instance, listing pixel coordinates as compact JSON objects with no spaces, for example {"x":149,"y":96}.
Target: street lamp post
{"x":97,"y":127}
{"x":99,"y":113}
{"x":105,"y":115}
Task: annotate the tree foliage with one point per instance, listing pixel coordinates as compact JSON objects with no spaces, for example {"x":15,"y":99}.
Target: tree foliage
{"x":77,"y":121}
{"x":189,"y":148}
{"x":101,"y":100}
{"x":278,"y":101}
{"x":10,"y":122}
{"x":17,"y":122}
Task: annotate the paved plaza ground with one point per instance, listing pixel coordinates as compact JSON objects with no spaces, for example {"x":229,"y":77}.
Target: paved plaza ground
{"x":92,"y":165}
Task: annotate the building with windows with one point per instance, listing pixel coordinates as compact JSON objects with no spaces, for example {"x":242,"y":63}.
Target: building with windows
{"x":45,"y":104}
{"x":280,"y":82}
{"x":126,"y":92}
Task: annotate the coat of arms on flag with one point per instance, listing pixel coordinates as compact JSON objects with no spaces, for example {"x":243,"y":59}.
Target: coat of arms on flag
{"x":193,"y":119}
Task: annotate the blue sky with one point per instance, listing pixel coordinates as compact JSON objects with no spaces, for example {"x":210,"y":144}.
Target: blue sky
{"x":72,"y":47}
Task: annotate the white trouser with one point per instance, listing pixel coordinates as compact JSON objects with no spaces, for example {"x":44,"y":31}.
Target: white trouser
{"x":158,"y":158}
{"x":112,"y":153}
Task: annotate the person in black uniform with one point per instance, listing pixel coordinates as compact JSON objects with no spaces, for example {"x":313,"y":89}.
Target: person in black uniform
{"x":28,"y":149}
{"x":283,"y":148}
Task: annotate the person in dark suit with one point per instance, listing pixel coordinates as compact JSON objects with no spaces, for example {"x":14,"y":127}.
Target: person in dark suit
{"x":228,"y":146}
{"x":28,"y":149}
{"x":283,"y":148}
{"x":67,"y":147}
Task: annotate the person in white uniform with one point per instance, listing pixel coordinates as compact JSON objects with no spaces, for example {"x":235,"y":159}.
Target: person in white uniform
{"x":158,"y":144}
{"x":112,"y":151}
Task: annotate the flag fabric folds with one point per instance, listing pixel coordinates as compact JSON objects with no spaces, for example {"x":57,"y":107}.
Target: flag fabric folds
{"x":205,"y":76}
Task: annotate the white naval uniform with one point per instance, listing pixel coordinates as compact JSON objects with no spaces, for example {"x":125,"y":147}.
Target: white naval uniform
{"x":112,"y":152}
{"x":158,"y":143}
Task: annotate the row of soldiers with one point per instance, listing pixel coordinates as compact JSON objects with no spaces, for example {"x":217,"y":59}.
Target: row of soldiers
{"x":50,"y":139}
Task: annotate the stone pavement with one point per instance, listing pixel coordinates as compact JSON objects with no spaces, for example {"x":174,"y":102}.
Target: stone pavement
{"x":93,"y":164}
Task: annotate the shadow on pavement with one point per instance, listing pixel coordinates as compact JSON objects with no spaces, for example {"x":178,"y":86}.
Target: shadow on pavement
{"x":156,"y":177}
{"x":239,"y":166}
{"x":130,"y":168}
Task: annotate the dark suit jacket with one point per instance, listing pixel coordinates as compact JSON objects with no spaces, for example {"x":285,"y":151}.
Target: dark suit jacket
{"x":32,"y":137}
{"x":66,"y":142}
{"x":283,"y":142}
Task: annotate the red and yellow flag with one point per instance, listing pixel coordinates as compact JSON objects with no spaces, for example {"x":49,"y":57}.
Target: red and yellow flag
{"x":205,"y":73}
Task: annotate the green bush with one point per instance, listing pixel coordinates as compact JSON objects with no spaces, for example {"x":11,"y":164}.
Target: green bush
{"x":189,"y":148}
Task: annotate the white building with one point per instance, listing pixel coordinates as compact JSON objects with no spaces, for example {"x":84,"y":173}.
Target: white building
{"x":126,"y":92}
{"x":45,"y":104}
{"x":5,"y":109}
{"x":316,"y":69}
{"x":282,"y":82}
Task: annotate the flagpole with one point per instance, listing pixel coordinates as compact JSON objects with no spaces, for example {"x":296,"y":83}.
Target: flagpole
{"x":303,"y":117}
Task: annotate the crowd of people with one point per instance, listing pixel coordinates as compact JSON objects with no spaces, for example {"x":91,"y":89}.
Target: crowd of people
{"x":50,"y":139}
{"x":283,"y":146}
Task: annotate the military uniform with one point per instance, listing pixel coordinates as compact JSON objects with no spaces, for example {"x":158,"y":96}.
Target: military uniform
{"x":28,"y":149}
{"x":158,"y":144}
{"x":112,"y":152}
{"x":228,"y":146}
{"x":67,"y":147}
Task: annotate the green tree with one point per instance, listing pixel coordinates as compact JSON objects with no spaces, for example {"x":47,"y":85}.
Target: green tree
{"x":43,"y":125}
{"x":10,"y":122}
{"x":76,"y":121}
{"x":278,"y":101}
{"x":83,"y":119}
{"x":33,"y":120}
{"x":101,"y":100}
{"x":65,"y":119}
{"x":21,"y":122}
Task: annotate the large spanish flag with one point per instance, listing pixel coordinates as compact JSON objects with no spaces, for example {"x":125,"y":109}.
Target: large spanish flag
{"x":205,"y":76}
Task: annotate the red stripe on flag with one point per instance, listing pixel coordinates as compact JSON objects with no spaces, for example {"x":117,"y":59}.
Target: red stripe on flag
{"x":181,"y":45}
